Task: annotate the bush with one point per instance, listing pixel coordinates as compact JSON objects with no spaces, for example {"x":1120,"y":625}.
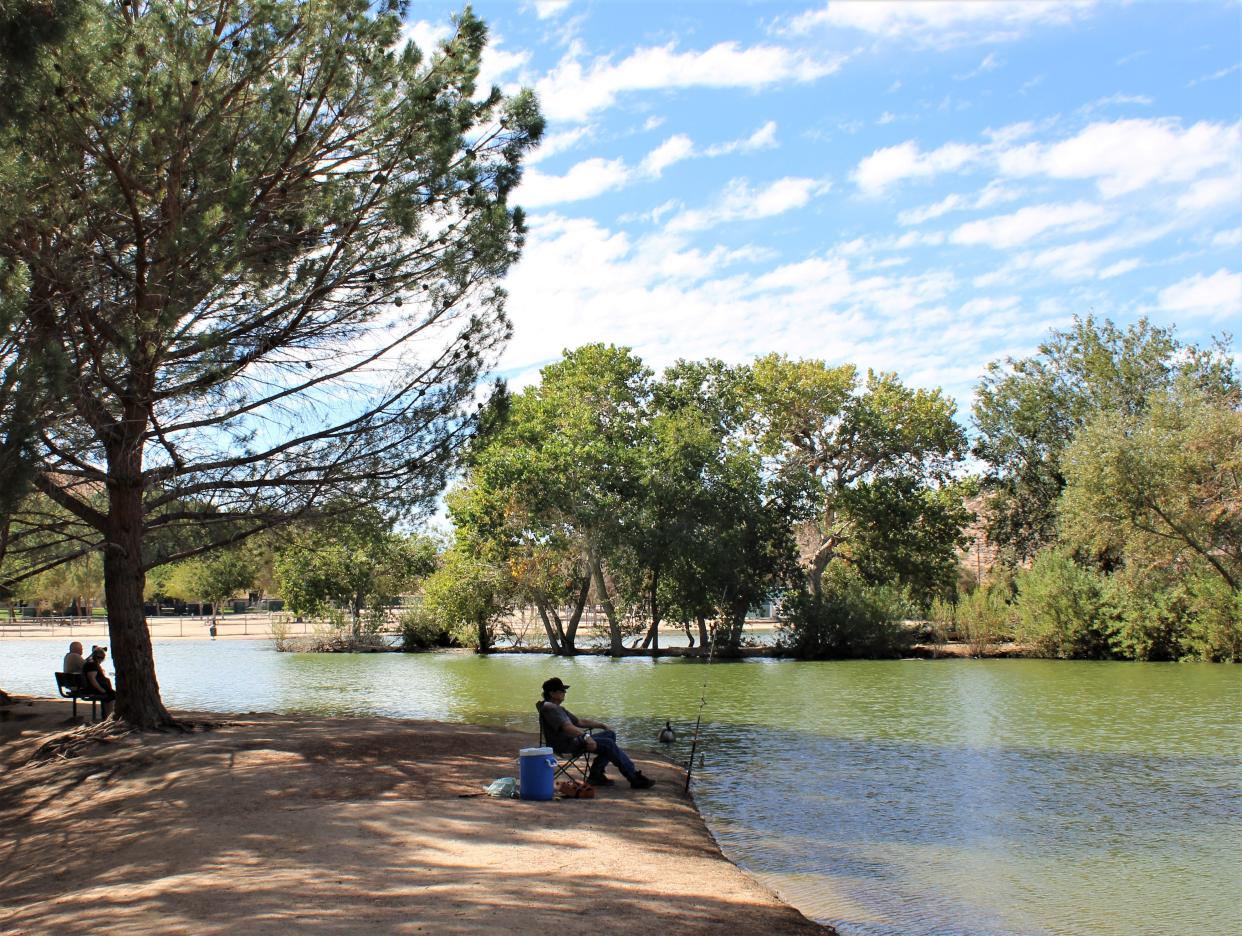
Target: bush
{"x":421,"y":629}
{"x":1215,"y":631}
{"x":849,"y":619}
{"x":1149,"y":616}
{"x":984,"y":618}
{"x":1062,"y":610}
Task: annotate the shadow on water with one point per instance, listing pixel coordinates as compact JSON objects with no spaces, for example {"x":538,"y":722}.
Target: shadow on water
{"x":902,"y":797}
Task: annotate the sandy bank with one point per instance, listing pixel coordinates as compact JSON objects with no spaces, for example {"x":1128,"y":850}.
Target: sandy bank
{"x":268,"y":822}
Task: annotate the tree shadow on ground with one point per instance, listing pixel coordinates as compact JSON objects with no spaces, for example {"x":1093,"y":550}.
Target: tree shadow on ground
{"x":341,"y":825}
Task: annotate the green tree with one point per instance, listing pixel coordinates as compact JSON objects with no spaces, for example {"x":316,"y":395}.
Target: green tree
{"x":1161,"y":486}
{"x":1028,"y":410}
{"x":556,"y":486}
{"x":466,"y":591}
{"x":220,"y":575}
{"x":356,"y":562}
{"x":266,"y":241}
{"x":857,"y":449}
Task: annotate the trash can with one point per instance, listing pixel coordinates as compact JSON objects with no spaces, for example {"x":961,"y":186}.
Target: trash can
{"x":536,"y":768}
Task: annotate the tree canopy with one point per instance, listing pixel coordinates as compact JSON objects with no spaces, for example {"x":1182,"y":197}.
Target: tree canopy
{"x":263,"y":241}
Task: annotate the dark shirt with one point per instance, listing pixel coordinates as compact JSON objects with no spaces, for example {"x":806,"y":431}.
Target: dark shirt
{"x":92,"y":666}
{"x":555,"y":718}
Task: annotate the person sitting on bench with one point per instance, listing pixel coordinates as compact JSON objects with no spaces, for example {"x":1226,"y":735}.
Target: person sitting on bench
{"x":73,"y":659}
{"x":567,"y":732}
{"x":96,"y":682}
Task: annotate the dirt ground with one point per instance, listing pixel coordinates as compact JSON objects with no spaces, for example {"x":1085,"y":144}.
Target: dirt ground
{"x":266,"y":823}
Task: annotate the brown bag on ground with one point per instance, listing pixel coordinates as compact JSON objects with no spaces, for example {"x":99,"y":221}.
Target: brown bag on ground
{"x":575,"y":789}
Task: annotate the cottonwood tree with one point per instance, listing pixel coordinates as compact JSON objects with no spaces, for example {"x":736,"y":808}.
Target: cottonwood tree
{"x":265,"y":239}
{"x":1028,"y":410}
{"x":857,"y":448}
{"x":1162,"y":487}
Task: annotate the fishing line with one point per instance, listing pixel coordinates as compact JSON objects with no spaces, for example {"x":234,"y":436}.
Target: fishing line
{"x":694,"y":744}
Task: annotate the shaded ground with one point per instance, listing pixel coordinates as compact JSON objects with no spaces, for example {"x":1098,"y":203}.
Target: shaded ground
{"x":267,"y":822}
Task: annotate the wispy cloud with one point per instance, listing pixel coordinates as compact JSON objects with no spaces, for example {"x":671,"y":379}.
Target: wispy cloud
{"x":990,"y":63}
{"x":545,"y":9}
{"x":941,"y":23}
{"x":1216,"y":75}
{"x":1025,"y":224}
{"x":574,"y":92}
{"x":740,"y":201}
{"x":1119,"y":156}
{"x":1215,"y":296}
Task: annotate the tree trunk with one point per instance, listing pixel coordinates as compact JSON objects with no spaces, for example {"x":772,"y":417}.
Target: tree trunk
{"x":553,"y":631}
{"x":571,"y":631}
{"x":138,"y":692}
{"x":703,"y":638}
{"x":615,"y":646}
{"x":652,"y":640}
{"x":485,"y":643}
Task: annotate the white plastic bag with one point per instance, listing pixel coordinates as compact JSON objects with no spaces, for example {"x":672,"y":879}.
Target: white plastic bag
{"x":505,"y":787}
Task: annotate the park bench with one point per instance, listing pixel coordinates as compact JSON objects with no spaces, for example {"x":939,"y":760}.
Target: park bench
{"x":567,"y":762}
{"x":73,"y":686}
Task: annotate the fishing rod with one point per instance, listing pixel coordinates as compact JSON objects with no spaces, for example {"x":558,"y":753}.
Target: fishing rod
{"x":694,"y":744}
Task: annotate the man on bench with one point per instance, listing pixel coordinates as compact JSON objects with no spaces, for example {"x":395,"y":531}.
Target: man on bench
{"x":567,"y":732}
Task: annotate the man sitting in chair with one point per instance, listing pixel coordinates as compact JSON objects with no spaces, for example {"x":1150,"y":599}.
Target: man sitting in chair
{"x":567,"y":732}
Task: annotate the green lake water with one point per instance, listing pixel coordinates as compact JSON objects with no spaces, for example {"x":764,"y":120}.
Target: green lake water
{"x":911,"y":797}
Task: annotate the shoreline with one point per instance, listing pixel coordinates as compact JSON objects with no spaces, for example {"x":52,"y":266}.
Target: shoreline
{"x":195,"y":629}
{"x":255,"y":822}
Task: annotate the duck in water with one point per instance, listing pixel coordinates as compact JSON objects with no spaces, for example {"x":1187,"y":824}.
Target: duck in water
{"x":667,"y":735}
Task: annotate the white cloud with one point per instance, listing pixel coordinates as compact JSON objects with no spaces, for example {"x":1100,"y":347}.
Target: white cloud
{"x":886,"y":167}
{"x":1216,"y":296}
{"x":1028,"y":223}
{"x":496,"y":63}
{"x":673,"y":150}
{"x":1120,"y":267}
{"x":763,"y":138}
{"x":584,"y":180}
{"x":545,"y":9}
{"x":995,"y":193}
{"x":652,"y":122}
{"x":1120,"y":156}
{"x":555,"y":143}
{"x":1116,"y":100}
{"x":1124,"y":155}
{"x":741,"y":202}
{"x":572,"y":92}
{"x":941,"y":23}
{"x":1213,"y":192}
{"x":425,"y":35}
{"x":1229,"y":238}
{"x":1216,"y":75}
{"x":990,"y":63}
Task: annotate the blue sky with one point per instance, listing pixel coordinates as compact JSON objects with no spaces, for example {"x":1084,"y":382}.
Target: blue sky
{"x":915,"y":187}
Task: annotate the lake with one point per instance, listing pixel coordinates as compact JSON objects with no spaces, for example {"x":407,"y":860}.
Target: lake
{"x":885,"y":797}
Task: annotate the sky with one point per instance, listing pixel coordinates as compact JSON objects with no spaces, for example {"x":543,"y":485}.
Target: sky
{"x":916,"y":187}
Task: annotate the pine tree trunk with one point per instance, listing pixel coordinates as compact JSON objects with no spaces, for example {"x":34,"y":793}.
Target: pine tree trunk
{"x":137,"y":690}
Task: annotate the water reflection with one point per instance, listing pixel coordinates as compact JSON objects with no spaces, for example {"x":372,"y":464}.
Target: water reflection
{"x":887,"y":797}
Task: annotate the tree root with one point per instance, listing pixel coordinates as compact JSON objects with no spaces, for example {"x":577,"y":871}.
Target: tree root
{"x":75,"y":741}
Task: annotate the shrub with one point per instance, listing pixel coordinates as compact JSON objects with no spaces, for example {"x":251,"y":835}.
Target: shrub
{"x":422,"y":629}
{"x":984,"y":618}
{"x":1149,"y":617}
{"x":1215,"y":626}
{"x":848,"y":619}
{"x":1061,"y":608}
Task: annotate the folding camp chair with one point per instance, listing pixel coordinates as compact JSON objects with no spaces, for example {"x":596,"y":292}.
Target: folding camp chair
{"x":567,"y":762}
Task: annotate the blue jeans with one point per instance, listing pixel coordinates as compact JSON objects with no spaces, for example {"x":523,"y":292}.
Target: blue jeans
{"x":607,"y":751}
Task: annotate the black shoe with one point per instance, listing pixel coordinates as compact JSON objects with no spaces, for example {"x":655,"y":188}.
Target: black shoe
{"x":600,"y":780}
{"x":639,"y":782}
